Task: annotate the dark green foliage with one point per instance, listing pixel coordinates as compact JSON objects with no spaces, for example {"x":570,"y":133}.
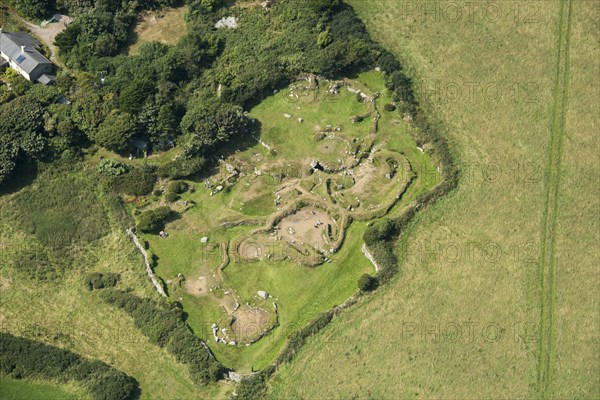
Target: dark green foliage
{"x":100,"y":31}
{"x":111,"y":167}
{"x":99,"y":280}
{"x":153,"y":220}
{"x":400,"y":86}
{"x":252,"y":388}
{"x":137,"y":182}
{"x":135,"y":94}
{"x":21,"y":358}
{"x":170,"y":197}
{"x":177,"y":187}
{"x":116,"y":131}
{"x":389,"y":107}
{"x":386,"y":259}
{"x":211,"y":123}
{"x":377,"y":231}
{"x":34,"y":9}
{"x":366,"y":283}
{"x":388,"y":62}
{"x":181,"y":168}
{"x":21,"y":133}
{"x":166,"y":328}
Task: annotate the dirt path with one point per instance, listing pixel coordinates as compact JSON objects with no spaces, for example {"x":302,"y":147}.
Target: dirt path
{"x":48,"y":34}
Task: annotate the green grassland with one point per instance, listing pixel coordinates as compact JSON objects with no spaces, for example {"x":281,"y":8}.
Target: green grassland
{"x":14,"y":389}
{"x":496,"y":292}
{"x":575,"y":341}
{"x":57,"y":309}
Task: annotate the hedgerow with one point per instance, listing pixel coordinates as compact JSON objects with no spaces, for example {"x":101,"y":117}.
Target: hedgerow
{"x":22,"y":358}
{"x":166,"y":328}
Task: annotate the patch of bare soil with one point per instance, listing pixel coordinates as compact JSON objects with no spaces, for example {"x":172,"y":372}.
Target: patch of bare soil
{"x":363,"y":175}
{"x":48,"y":33}
{"x":200,"y":284}
{"x":307,"y":226}
{"x":248,"y":323}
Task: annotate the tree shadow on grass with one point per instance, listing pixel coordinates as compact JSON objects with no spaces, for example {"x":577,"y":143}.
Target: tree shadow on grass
{"x":225,"y":150}
{"x":23,"y":176}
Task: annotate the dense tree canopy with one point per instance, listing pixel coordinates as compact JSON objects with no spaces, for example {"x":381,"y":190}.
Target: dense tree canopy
{"x":192,"y":94}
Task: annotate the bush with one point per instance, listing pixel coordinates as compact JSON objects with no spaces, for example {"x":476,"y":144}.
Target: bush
{"x":22,"y":358}
{"x":366,"y":283}
{"x":166,"y":328}
{"x":389,"y":107}
{"x":138,"y":182}
{"x":379,"y":230}
{"x":153,"y":220}
{"x":181,"y":168}
{"x":115,"y":132}
{"x":386,"y":259}
{"x":98,"y":280}
{"x":111,"y":167}
{"x":177,"y":187}
{"x":170,"y":197}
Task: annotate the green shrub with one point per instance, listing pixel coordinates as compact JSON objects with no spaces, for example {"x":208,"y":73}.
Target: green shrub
{"x":153,"y":220}
{"x":386,"y":259}
{"x":389,"y":107}
{"x":111,"y":167}
{"x":177,"y":187}
{"x":98,"y":280}
{"x":252,"y":388}
{"x":137,"y":182}
{"x":166,"y":328}
{"x":377,"y":231}
{"x":171,"y":197}
{"x":22,"y":358}
{"x":157,"y":192}
{"x":367,"y":283}
{"x":181,"y":168}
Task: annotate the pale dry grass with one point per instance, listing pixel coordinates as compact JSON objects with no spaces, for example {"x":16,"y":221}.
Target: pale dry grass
{"x":165,"y":26}
{"x":462,"y":319}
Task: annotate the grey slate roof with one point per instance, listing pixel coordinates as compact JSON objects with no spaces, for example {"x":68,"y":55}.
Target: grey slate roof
{"x":10,"y":44}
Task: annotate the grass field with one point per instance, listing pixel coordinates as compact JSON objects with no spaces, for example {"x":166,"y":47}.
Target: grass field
{"x":13,"y":389}
{"x":496,"y":295}
{"x":61,"y":312}
{"x":165,"y":26}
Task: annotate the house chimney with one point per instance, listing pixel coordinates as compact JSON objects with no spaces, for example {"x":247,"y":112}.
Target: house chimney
{"x":22,"y":49}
